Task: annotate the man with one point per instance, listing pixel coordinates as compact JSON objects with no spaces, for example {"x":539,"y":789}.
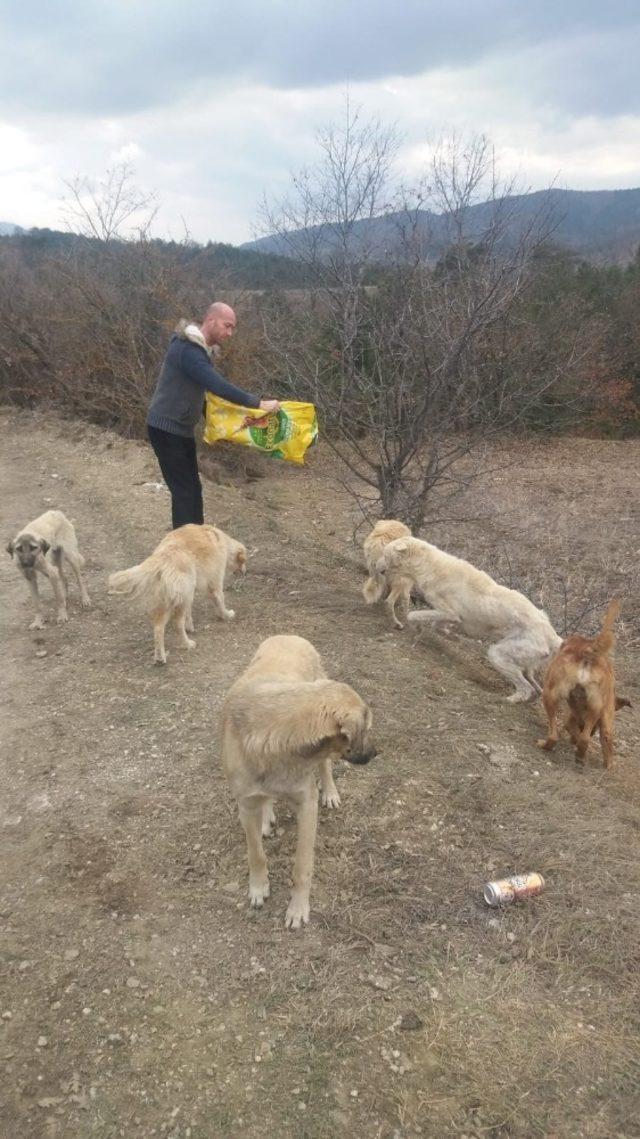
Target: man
{"x":176,"y":406}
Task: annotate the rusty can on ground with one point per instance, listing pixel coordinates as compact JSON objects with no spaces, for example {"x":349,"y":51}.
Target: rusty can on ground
{"x":512,"y":889}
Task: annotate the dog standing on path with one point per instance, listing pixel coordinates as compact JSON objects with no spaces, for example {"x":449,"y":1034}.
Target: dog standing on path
{"x":41,"y":547}
{"x":283,"y":721}
{"x":581,"y":675}
{"x":189,"y":558}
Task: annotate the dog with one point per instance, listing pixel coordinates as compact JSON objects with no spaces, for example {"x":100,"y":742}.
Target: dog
{"x":41,"y":548}
{"x":189,"y":558}
{"x":467,"y":600}
{"x":283,"y":721}
{"x":394,"y":588}
{"x":581,"y":675}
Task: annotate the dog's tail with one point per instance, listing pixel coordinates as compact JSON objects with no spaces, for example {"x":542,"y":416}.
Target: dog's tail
{"x":138,"y":581}
{"x":373,"y":588}
{"x":606,"y":638}
{"x":153,"y":583}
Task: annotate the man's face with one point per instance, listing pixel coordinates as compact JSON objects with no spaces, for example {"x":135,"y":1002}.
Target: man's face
{"x":218,"y":328}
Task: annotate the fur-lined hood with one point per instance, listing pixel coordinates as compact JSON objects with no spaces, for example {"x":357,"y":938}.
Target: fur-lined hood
{"x":186,"y":330}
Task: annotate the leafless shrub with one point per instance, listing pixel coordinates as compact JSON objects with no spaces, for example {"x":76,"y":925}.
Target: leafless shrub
{"x":84,"y":325}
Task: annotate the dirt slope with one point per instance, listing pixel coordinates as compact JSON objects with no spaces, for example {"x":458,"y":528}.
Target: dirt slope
{"x":140,"y":997}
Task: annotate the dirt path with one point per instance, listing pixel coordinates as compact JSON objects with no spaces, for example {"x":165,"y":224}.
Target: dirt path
{"x":140,"y":997}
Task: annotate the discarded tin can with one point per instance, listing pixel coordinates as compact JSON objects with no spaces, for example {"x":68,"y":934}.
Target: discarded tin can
{"x":512,"y":889}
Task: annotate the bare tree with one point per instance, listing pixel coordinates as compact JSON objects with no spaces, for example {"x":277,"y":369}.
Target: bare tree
{"x":102,"y":209}
{"x":411,"y":372}
{"x":111,"y":295}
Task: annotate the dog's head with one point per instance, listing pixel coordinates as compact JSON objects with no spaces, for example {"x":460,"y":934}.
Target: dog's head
{"x":26,"y":548}
{"x":387,"y":530}
{"x":352,"y":721}
{"x":393,"y":555}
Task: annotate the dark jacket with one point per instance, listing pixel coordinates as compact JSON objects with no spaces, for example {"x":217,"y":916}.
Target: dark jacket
{"x":187,"y":373}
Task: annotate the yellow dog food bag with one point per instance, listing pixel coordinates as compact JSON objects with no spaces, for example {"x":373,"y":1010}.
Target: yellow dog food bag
{"x":283,"y":434}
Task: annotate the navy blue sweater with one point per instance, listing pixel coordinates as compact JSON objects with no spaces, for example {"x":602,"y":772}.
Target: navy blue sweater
{"x":187,"y":373}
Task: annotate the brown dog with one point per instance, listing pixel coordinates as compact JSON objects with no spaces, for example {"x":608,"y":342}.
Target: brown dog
{"x":581,"y":674}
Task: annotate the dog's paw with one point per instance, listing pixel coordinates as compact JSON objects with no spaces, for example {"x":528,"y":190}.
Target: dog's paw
{"x":520,"y":697}
{"x":397,"y":624}
{"x":229,"y":614}
{"x":62,"y":618}
{"x":86,"y":601}
{"x":188,"y":643}
{"x":546,"y":745}
{"x":160,"y":660}
{"x":297,"y":914}
{"x":330,"y":798}
{"x":257,"y":894}
{"x":37,"y":623}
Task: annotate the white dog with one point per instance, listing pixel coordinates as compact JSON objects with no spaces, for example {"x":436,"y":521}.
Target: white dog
{"x":468,"y":600}
{"x":40,"y":548}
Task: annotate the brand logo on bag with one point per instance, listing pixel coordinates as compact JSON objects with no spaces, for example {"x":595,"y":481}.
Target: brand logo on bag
{"x":270,"y":430}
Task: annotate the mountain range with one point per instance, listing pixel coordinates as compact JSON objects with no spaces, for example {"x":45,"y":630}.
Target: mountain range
{"x":599,"y":225}
{"x":602,"y":226}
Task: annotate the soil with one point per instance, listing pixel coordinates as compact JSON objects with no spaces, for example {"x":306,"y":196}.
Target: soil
{"x":142,"y":997}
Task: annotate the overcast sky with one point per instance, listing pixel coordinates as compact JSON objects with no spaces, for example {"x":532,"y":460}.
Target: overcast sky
{"x":215,"y":105}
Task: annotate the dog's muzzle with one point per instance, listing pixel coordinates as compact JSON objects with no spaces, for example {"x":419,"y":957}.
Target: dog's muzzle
{"x":361,"y":757}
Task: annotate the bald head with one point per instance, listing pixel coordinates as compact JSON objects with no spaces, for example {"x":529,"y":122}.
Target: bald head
{"x":219,"y":323}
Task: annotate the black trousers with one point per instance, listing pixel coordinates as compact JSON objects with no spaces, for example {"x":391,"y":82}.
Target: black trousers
{"x":179,"y":465}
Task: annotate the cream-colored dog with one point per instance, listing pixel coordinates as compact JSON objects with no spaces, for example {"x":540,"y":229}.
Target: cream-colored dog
{"x":394,"y":587}
{"x":189,"y":558}
{"x":41,"y":548}
{"x":283,"y":721}
{"x":467,"y":599}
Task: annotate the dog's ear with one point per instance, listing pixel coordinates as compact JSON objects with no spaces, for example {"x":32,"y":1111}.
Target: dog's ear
{"x":401,"y":545}
{"x":311,"y":750}
{"x":10,"y":548}
{"x":354,"y":725}
{"x":44,"y":545}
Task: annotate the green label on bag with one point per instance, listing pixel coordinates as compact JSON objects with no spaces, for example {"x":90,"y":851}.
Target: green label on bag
{"x":278,"y":428}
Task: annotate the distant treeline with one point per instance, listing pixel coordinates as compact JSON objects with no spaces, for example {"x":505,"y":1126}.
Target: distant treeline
{"x":241,"y":268}
{"x":84,"y":323}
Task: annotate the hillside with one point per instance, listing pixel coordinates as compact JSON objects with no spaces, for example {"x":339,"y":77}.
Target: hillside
{"x":603,"y":225}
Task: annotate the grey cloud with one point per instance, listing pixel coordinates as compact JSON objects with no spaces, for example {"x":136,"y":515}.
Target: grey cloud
{"x":112,"y":59}
{"x":593,"y":75}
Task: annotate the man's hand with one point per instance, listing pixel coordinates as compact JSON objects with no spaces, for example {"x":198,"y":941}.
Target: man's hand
{"x":269,"y":405}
